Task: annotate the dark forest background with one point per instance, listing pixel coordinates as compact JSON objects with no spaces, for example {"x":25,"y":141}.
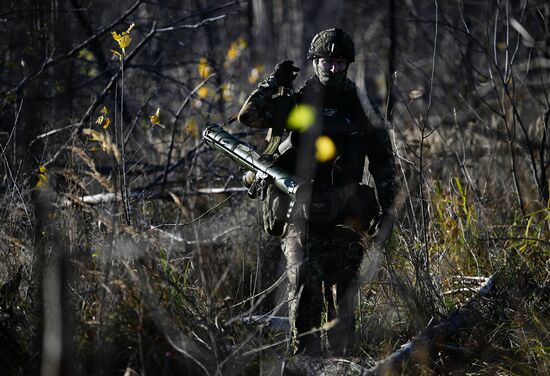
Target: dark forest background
{"x":127,"y":247}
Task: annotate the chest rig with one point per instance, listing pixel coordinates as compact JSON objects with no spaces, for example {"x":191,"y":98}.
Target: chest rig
{"x":338,"y":116}
{"x":336,"y":187}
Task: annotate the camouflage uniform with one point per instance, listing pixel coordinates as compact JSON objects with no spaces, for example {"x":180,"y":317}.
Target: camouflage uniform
{"x":324,"y":257}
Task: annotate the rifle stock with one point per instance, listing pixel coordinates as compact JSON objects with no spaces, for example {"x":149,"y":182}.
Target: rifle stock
{"x":246,"y":156}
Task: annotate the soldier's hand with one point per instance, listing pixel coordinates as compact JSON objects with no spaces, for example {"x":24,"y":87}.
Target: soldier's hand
{"x":284,"y":73}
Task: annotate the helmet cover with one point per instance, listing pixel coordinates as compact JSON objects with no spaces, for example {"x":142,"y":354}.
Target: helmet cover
{"x":332,"y":43}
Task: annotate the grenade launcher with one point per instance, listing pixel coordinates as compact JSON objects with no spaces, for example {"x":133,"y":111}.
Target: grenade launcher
{"x":261,"y":170}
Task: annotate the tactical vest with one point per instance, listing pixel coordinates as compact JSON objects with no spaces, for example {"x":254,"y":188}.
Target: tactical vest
{"x":340,"y":117}
{"x":337,"y":195}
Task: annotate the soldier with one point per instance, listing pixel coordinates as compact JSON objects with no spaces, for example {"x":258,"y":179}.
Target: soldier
{"x":323,"y":242}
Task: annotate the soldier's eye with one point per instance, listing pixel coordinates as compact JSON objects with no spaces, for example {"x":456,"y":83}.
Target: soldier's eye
{"x":325,"y":64}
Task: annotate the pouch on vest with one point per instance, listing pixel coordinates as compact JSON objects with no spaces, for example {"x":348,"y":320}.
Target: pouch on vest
{"x":362,"y":207}
{"x":275,"y":209}
{"x":325,"y":207}
{"x":355,"y":205}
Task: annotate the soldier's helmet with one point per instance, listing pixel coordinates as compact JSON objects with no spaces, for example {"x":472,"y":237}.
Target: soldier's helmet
{"x":332,"y":43}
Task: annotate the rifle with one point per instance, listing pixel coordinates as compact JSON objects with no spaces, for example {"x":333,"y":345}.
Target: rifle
{"x":262,"y":171}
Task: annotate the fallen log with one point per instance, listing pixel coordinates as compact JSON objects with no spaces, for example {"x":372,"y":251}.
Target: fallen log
{"x":139,"y":194}
{"x":420,"y":350}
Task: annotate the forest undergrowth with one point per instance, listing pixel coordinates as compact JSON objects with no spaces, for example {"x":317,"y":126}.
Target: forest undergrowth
{"x":145,"y":298}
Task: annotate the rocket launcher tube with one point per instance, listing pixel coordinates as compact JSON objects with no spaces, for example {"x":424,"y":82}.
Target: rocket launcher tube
{"x":244,"y":155}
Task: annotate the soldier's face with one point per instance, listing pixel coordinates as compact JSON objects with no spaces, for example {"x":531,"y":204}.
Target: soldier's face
{"x":333,"y":64}
{"x":331,"y":71}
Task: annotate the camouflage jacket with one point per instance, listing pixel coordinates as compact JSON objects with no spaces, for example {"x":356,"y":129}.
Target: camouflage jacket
{"x":340,"y":116}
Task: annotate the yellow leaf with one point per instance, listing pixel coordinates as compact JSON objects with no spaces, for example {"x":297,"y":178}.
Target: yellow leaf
{"x":325,"y":150}
{"x":86,"y":54}
{"x":235,"y":50}
{"x":155,"y":119}
{"x":204,"y":68}
{"x":203,"y":92}
{"x":103,"y":119}
{"x":123,"y":39}
{"x":227,"y":94}
{"x":232,"y":52}
{"x":192,"y":128}
{"x":301,"y":117}
{"x":242,"y":43}
{"x":93,"y":73}
{"x":42,"y":177}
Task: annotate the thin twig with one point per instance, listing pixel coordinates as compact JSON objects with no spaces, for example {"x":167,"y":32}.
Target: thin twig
{"x":194,"y":26}
{"x":174,"y":123}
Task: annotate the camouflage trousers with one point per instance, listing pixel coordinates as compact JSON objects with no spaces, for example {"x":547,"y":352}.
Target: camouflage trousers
{"x":323,"y":270}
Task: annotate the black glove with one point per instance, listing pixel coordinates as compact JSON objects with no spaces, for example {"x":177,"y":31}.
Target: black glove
{"x":284,"y":73}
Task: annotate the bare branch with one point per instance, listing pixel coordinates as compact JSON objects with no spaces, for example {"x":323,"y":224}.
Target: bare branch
{"x":51,"y":61}
{"x":194,"y":26}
